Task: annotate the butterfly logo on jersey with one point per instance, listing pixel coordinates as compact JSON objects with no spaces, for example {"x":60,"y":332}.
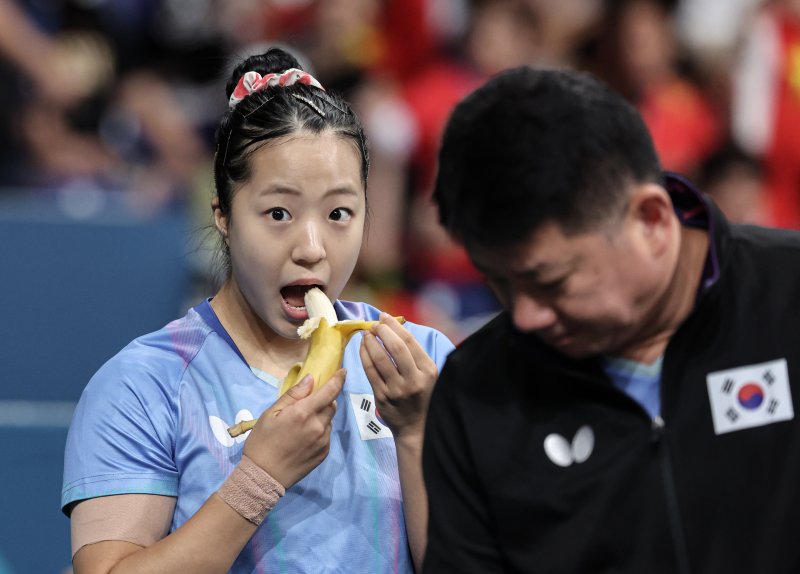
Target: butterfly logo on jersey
{"x":220,"y":428}
{"x":750,"y":396}
{"x":563,"y":453}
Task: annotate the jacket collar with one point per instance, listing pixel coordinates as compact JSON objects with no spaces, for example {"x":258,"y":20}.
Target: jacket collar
{"x":695,"y":209}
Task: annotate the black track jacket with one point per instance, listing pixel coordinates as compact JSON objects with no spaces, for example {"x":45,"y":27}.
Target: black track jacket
{"x":670,"y":495}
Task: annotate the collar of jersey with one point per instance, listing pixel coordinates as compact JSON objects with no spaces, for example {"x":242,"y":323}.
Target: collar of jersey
{"x":208,"y":315}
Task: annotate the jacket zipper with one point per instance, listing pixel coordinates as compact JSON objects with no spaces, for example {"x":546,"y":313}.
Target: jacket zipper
{"x":673,"y":512}
{"x":657,"y":425}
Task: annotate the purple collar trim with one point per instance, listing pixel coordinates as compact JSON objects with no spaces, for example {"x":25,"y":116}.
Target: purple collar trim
{"x":205,"y":311}
{"x":693,"y":211}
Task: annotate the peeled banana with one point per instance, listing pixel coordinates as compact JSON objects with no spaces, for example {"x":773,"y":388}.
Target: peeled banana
{"x":328,"y":339}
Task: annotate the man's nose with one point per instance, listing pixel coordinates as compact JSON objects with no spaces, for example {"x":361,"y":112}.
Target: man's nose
{"x":309,"y":247}
{"x":530,"y":314}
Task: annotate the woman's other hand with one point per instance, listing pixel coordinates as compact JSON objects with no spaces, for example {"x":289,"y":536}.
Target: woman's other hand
{"x":402,"y":376}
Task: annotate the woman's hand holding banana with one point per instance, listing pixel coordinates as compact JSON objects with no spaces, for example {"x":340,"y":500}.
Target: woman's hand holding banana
{"x":293,"y":436}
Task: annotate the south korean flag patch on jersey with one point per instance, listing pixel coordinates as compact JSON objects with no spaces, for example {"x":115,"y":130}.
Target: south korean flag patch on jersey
{"x":370,"y":425}
{"x":750,"y":396}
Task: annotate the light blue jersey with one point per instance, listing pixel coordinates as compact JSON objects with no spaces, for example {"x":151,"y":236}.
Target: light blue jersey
{"x":153,"y":420}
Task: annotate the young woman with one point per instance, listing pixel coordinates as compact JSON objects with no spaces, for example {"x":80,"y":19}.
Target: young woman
{"x":328,"y":481}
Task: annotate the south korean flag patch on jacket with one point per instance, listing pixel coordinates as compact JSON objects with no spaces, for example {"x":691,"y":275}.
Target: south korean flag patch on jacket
{"x":750,"y":396}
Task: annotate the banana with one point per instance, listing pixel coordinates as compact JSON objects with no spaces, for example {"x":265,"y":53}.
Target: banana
{"x":328,"y":339}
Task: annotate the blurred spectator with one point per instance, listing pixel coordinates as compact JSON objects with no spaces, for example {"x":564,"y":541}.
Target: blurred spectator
{"x":432,"y":58}
{"x":639,"y":55}
{"x":504,"y":34}
{"x":36,"y":55}
{"x":565,"y":26}
{"x":500,"y":34}
{"x":711,"y":31}
{"x":735,"y":180}
{"x":108,"y":119}
{"x":57,"y":132}
{"x":766,"y":104}
{"x":136,"y":109}
{"x":347,"y":41}
{"x":395,"y":62}
{"x":29,"y":68}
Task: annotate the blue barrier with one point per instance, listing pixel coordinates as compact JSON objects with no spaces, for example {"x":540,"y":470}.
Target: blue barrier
{"x":78,"y":281}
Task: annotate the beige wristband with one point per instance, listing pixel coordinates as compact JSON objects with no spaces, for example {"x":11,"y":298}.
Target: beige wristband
{"x":251,"y":491}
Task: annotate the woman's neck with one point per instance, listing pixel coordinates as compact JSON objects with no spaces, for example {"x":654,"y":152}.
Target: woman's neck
{"x":261,"y":347}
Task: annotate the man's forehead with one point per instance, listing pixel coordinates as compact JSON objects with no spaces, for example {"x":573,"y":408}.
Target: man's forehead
{"x":544,"y":251}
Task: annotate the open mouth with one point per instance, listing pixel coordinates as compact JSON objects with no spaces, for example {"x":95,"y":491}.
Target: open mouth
{"x":294,"y":295}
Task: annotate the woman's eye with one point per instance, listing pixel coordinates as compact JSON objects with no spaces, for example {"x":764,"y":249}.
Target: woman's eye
{"x":278,"y":214}
{"x":341,"y":214}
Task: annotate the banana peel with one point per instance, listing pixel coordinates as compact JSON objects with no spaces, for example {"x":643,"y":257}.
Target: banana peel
{"x":328,"y":338}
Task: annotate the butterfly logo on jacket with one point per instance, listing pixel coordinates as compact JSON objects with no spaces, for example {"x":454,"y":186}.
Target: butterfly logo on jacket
{"x":564,"y":453}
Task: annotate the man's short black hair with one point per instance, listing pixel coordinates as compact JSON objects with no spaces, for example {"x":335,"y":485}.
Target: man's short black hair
{"x":534,"y":146}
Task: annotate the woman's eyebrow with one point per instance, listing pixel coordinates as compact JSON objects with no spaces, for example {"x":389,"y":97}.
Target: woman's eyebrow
{"x":342,"y":190}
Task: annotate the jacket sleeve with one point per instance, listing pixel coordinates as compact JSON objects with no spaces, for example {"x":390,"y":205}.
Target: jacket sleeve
{"x":460,"y":534}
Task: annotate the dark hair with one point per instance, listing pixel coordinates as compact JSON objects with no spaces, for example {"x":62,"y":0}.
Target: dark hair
{"x":534,"y":146}
{"x":273,"y":113}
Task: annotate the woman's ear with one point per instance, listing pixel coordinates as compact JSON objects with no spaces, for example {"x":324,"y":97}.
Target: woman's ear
{"x":220,"y":220}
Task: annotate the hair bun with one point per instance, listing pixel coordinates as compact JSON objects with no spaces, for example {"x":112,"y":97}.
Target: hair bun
{"x":272,"y":61}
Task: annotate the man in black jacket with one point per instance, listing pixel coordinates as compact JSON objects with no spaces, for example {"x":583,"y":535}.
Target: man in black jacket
{"x":631,"y":410}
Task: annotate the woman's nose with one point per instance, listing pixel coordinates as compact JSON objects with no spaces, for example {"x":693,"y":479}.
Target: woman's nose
{"x":309,"y":247}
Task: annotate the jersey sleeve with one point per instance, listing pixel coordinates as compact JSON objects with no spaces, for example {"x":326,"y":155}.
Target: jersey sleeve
{"x":460,"y":533}
{"x":121,"y":440}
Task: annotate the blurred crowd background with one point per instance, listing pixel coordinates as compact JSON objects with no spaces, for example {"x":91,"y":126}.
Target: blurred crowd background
{"x":122,"y":97}
{"x":107,"y":117}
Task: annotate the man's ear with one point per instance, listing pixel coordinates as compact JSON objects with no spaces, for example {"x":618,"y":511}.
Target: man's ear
{"x":220,"y":220}
{"x":652,"y":210}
